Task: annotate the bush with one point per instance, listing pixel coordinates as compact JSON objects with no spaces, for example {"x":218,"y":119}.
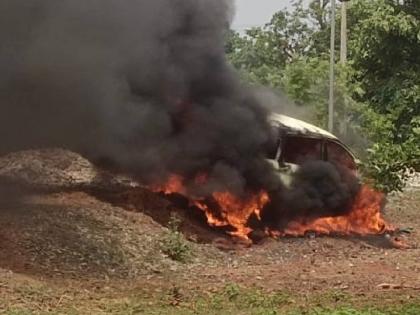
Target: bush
{"x":387,"y":166}
{"x":389,"y":163}
{"x":174,"y":244}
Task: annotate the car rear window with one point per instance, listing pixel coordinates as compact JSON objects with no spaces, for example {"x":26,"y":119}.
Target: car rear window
{"x":337,"y":154}
{"x":298,"y":150}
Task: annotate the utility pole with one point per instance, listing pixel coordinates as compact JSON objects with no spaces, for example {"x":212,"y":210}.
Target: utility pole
{"x":343,"y":46}
{"x":332,"y":79}
{"x":343,"y":60}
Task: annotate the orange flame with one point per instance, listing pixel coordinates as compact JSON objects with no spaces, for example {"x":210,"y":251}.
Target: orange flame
{"x":364,"y":218}
{"x":175,"y":184}
{"x":233,"y":211}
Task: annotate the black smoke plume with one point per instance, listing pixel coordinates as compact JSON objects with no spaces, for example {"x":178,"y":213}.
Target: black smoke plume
{"x":318,"y":189}
{"x":140,"y":84}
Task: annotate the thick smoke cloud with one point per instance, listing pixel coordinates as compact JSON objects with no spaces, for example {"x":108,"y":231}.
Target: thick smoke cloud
{"x":141,"y":85}
{"x":318,"y":189}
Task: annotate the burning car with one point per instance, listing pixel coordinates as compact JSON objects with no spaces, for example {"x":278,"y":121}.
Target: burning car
{"x":298,"y":142}
{"x":314,"y":196}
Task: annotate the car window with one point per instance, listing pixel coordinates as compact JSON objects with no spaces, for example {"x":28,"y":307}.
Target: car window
{"x":298,"y":150}
{"x":337,"y":154}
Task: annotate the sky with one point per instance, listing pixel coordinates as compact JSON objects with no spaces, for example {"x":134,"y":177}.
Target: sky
{"x":256,"y":12}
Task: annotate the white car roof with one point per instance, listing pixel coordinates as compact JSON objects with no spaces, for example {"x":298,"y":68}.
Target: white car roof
{"x":299,"y":126}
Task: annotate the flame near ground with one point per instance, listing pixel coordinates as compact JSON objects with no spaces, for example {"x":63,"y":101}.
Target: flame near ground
{"x":228,"y":210}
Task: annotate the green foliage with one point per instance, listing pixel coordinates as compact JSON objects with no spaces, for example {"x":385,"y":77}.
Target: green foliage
{"x":385,"y":53}
{"x":305,"y":81}
{"x":262,"y":53}
{"x":388,"y":163}
{"x":291,"y":54}
{"x":385,"y":164}
{"x":385,"y":49}
{"x":174,"y":244}
{"x":256,"y":56}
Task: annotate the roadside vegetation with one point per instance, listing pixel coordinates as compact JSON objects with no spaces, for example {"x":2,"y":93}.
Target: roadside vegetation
{"x":231,"y":300}
{"x":377,"y":92}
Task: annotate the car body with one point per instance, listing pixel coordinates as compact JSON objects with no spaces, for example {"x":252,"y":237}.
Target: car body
{"x":298,"y":142}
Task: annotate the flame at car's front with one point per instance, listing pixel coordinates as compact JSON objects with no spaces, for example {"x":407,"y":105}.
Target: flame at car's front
{"x":364,"y":218}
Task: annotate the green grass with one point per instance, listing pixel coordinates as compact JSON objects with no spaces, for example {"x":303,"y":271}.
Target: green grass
{"x":413,"y":309}
{"x":236,"y":300}
{"x":407,"y":310}
{"x":231,"y":300}
{"x":255,"y":305}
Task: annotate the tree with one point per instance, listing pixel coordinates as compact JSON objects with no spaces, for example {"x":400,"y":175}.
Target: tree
{"x":385,"y":54}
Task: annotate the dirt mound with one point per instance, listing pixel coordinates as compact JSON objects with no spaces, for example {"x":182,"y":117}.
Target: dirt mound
{"x":47,"y":168}
{"x":56,"y":169}
{"x":57,"y":219}
{"x":74,"y":234}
